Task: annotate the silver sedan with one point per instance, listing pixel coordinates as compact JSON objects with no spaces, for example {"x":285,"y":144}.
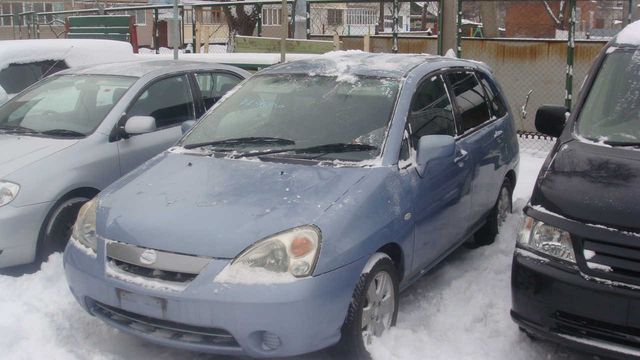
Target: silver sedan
{"x":69,"y":136}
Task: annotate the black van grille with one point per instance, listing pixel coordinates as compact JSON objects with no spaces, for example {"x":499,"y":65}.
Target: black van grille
{"x":163,"y":328}
{"x":579,"y":326}
{"x":611,"y":260}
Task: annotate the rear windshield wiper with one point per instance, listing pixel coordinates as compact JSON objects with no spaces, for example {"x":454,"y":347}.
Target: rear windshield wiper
{"x":622,"y":143}
{"x":63,"y":132}
{"x":243,"y":140}
{"x":319,"y":149}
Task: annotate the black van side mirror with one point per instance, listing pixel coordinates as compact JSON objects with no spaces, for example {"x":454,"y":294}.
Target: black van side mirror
{"x":550,"y":119}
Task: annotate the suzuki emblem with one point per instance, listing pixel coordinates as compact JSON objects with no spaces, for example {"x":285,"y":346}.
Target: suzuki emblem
{"x":148,"y":257}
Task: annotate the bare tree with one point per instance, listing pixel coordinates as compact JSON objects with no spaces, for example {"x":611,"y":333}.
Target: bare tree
{"x":559,"y":18}
{"x":241,"y":19}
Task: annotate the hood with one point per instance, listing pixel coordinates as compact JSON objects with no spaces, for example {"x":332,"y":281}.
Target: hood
{"x":593,"y":184}
{"x":217,"y":207}
{"x":18,"y":151}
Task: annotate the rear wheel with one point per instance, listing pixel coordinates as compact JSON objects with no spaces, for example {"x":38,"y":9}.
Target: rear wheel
{"x":501,"y":209}
{"x":373,"y":310}
{"x":58,"y":225}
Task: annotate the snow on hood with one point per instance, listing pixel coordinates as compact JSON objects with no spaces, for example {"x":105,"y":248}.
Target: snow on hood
{"x":630,"y":34}
{"x":17,"y":152}
{"x":75,"y":52}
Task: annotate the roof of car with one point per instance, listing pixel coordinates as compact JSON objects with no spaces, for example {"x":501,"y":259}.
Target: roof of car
{"x":140,"y":68}
{"x":345,"y":63}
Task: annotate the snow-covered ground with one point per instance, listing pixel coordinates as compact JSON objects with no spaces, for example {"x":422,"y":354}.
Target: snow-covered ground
{"x":458,"y":311}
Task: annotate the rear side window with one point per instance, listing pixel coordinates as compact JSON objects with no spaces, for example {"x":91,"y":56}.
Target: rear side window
{"x":496,"y":102}
{"x":17,"y":77}
{"x":169,"y":101}
{"x":470,"y":100}
{"x":213,"y":86}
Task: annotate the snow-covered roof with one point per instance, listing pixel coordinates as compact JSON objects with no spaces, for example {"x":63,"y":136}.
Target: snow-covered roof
{"x":231,"y":58}
{"x":630,"y":34}
{"x":139,"y":68}
{"x":75,"y":52}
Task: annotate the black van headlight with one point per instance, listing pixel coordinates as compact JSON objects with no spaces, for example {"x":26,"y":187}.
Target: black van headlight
{"x":546,"y":239}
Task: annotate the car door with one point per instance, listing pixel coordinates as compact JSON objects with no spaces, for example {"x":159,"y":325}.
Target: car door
{"x":478,"y":137}
{"x":170,"y":102}
{"x":442,"y":199}
{"x":213,"y":86}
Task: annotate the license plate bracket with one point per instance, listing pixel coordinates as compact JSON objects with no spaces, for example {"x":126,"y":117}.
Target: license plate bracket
{"x":141,"y":304}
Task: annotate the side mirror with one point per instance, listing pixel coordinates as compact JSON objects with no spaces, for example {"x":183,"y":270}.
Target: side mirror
{"x":434,"y":147}
{"x":140,"y":125}
{"x":187,"y":125}
{"x":550,"y":120}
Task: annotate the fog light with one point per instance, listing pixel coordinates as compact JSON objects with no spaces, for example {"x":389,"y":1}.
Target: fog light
{"x":270,"y":341}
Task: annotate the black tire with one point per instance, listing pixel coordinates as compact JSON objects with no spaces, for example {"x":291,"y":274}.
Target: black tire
{"x":486,"y":235}
{"x":58,"y":225}
{"x":351,"y":345}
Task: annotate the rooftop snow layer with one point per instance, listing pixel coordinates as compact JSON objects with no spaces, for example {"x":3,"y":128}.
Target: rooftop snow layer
{"x":75,"y":52}
{"x":630,"y":34}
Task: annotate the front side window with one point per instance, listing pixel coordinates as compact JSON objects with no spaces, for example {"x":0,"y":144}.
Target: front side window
{"x":315,"y":117}
{"x":611,"y":112}
{"x":64,"y":105}
{"x":213,"y":86}
{"x":470,"y":100}
{"x":431,"y":111}
{"x":168,"y":101}
{"x":498,"y":106}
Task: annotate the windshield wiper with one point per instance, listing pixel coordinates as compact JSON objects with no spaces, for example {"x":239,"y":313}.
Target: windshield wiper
{"x":17,"y":129}
{"x":319,"y":149}
{"x":63,"y":132}
{"x":622,"y":143}
{"x":242,"y":141}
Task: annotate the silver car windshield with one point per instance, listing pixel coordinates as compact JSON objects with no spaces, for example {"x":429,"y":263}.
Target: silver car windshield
{"x":67,"y":105}
{"x":319,"y":117}
{"x":611,"y":113}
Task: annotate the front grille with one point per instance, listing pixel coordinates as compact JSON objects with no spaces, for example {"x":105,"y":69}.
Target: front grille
{"x":155,"y":264}
{"x":613,"y":260}
{"x":578,"y":326}
{"x":162,"y":328}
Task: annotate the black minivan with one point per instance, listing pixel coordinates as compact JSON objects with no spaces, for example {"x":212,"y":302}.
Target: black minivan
{"x":576,"y":268}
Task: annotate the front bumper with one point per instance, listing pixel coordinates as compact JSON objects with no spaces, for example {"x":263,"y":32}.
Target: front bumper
{"x":228,"y":319}
{"x":19,"y":229}
{"x":558,"y":303}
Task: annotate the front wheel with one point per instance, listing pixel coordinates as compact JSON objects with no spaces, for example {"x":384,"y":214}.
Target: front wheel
{"x":373,"y":310}
{"x":58,"y":225}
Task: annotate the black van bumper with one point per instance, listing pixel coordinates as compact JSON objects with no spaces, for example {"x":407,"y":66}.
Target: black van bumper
{"x":557,"y":303}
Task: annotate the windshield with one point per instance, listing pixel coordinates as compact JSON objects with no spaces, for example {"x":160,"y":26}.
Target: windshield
{"x":611,"y":113}
{"x":68,"y":105}
{"x":305,"y":116}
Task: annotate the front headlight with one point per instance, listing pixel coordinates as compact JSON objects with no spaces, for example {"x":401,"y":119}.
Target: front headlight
{"x":546,"y":239}
{"x":8,"y":192}
{"x":281,"y":257}
{"x":84,"y":230}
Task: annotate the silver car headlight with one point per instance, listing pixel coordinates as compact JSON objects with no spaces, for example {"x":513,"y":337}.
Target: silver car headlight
{"x":84,"y":230}
{"x":8,"y":192}
{"x":282,"y":257}
{"x":547,"y":239}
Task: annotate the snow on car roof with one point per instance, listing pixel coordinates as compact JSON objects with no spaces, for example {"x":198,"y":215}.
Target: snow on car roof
{"x":75,"y":52}
{"x":346,"y":64}
{"x":630,"y":35}
{"x":140,"y":68}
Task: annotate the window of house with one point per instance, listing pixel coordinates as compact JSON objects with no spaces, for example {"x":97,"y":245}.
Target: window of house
{"x":5,"y":9}
{"x":431,"y":111}
{"x":271,"y":16}
{"x":362,"y":17}
{"x":169,"y":101}
{"x":470,"y":99}
{"x":334,"y":16}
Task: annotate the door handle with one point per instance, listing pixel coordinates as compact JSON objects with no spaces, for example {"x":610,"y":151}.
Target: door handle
{"x":498,"y":134}
{"x":462,"y":156}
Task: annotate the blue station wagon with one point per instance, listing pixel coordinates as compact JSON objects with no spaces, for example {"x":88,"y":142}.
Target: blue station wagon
{"x":290,"y":216}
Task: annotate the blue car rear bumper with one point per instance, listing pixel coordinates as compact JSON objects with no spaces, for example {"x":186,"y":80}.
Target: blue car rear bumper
{"x":231,"y":319}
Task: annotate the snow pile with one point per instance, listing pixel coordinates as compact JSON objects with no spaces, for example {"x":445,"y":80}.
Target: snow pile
{"x":75,"y":52}
{"x":630,"y":34}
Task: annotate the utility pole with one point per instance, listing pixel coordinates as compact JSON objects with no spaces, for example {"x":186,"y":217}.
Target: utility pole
{"x":176,"y":29}
{"x":285,"y":30}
